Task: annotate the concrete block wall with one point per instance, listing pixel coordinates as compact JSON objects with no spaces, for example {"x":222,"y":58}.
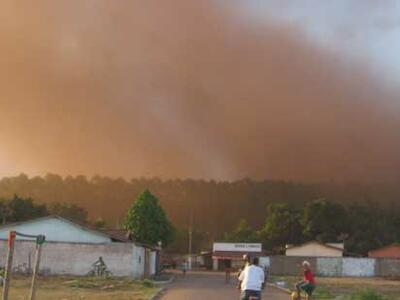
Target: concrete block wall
{"x":329,"y":267}
{"x":337,"y":267}
{"x":358,"y":267}
{"x":387,"y":267}
{"x":286,"y":265}
{"x":153,"y":263}
{"x":122,"y":259}
{"x":138,"y":259}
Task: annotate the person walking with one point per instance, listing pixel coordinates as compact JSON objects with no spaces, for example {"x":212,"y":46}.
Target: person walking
{"x":184,"y":268}
{"x":227,"y":267}
{"x":251,"y":281}
{"x":246,"y":262}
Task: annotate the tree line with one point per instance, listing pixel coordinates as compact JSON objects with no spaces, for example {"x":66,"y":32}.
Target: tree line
{"x":210,"y":208}
{"x":360,"y":227}
{"x":145,"y":219}
{"x":17,"y":209}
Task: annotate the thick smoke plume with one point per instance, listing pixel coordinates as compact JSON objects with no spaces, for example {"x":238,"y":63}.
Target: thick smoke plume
{"x":184,"y":89}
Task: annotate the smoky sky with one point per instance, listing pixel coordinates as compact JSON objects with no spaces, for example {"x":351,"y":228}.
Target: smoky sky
{"x":200,"y":89}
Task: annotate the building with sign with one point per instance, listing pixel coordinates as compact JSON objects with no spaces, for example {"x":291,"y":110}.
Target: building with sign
{"x":230,"y":255}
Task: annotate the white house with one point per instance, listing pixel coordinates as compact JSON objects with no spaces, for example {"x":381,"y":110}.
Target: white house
{"x":57,"y":229}
{"x":316,"y":249}
{"x":71,"y":249}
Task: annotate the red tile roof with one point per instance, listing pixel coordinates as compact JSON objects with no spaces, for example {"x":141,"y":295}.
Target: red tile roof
{"x":120,"y":235}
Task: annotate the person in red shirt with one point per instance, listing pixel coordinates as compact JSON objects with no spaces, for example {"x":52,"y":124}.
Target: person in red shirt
{"x":308,"y":283}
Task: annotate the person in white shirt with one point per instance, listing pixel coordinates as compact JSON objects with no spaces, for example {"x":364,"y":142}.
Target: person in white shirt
{"x":251,"y":281}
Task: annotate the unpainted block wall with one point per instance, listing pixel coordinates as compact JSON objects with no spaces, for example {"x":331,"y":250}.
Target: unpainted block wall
{"x":387,"y":267}
{"x":285,"y":265}
{"x":336,"y":267}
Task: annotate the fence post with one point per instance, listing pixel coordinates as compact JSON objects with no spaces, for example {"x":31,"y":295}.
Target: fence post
{"x":39,"y":242}
{"x":8,"y":269}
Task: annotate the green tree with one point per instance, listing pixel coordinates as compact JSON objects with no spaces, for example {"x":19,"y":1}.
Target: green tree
{"x":243,"y":233}
{"x":147,"y":220}
{"x":4,"y":211}
{"x":324,"y":221}
{"x":20,"y":209}
{"x":371,"y":228}
{"x":69,"y":211}
{"x":282,"y":227}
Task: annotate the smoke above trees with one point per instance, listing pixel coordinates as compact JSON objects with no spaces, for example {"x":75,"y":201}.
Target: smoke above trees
{"x":185,"y":89}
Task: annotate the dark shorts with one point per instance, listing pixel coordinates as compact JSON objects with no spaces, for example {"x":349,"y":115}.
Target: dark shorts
{"x":248,"y":293}
{"x":306,"y":287}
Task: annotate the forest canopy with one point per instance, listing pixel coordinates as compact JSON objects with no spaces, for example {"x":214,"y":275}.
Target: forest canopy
{"x":212,"y":207}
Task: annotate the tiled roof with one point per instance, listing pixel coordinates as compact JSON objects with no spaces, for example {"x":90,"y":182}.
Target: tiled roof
{"x":120,"y":235}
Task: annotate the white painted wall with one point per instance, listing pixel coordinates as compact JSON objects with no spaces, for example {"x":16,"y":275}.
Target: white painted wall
{"x":138,"y":260}
{"x":358,"y":267}
{"x":122,"y":259}
{"x":329,"y":266}
{"x":313,"y":250}
{"x":153,"y":262}
{"x":215,"y":264}
{"x":56,"y":230}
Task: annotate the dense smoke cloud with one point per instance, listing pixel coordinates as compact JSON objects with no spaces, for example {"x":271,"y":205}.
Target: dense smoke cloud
{"x":185,"y":89}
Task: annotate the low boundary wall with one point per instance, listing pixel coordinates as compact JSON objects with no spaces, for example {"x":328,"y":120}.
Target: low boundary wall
{"x":337,"y":266}
{"x":122,"y":259}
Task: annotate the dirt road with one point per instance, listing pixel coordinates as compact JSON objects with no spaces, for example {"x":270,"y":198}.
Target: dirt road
{"x":210,"y":286}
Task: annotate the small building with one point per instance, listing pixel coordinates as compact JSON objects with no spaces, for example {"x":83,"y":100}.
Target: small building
{"x":315,"y":249}
{"x":390,"y":251}
{"x":58,"y":229}
{"x":203,"y":260}
{"x":71,"y":249}
{"x":230,"y":255}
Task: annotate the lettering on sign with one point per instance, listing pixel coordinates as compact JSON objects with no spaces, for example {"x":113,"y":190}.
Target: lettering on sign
{"x":242,"y":247}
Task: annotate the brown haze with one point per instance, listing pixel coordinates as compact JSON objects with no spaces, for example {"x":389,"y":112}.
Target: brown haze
{"x":184,"y":89}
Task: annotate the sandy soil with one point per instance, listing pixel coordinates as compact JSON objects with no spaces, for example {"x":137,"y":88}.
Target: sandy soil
{"x":63,"y":288}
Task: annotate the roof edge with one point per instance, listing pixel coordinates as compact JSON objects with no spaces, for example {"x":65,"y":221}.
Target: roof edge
{"x":312,"y":242}
{"x":75,"y":224}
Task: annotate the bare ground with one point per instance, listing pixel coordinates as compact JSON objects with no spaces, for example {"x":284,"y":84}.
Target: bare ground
{"x":68,"y":288}
{"x":203,"y":285}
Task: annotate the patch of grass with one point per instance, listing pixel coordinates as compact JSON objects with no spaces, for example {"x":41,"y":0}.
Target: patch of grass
{"x":82,"y":288}
{"x":366,"y":295}
{"x":322,"y":293}
{"x":343,"y":287}
{"x":148,"y":283}
{"x":103,"y":283}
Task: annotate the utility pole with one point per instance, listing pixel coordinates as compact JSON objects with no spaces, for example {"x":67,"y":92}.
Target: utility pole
{"x":190,"y":239}
{"x":8,"y":269}
{"x":190,"y":249}
{"x":39,"y":242}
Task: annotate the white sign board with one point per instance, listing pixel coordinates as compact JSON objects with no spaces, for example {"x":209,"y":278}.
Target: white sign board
{"x":239,"y":247}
